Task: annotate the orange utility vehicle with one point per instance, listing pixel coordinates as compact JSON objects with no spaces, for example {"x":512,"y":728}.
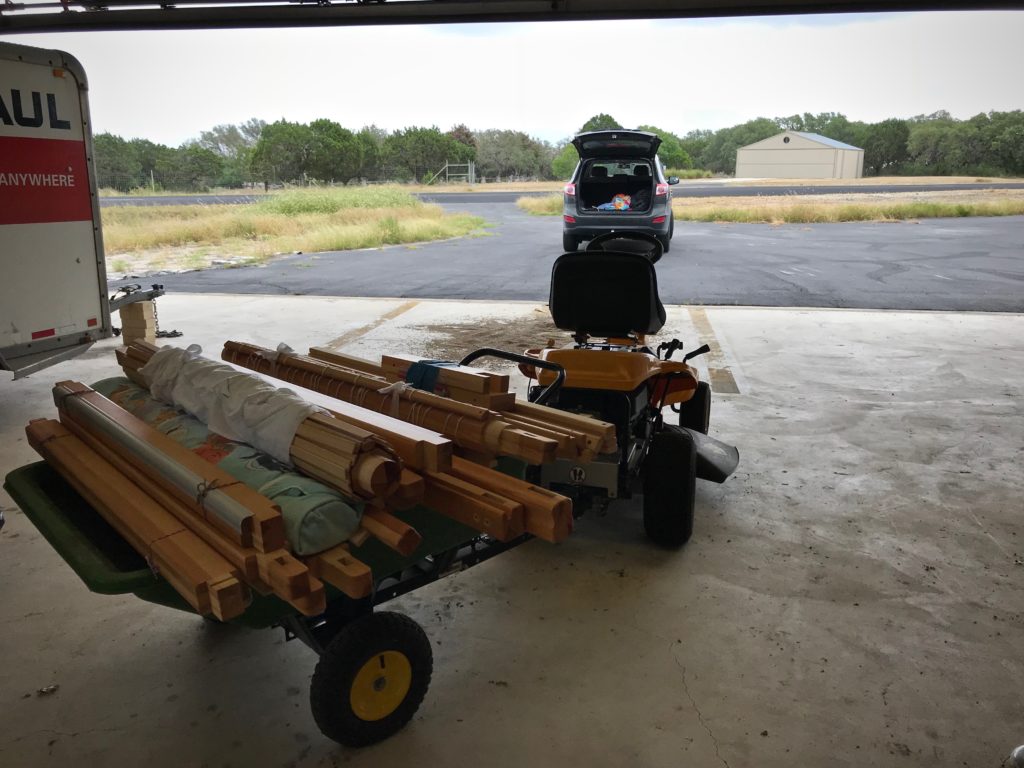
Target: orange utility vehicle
{"x":607,"y":297}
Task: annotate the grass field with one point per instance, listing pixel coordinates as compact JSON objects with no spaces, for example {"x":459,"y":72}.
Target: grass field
{"x":146,"y":238}
{"x":810,"y":209}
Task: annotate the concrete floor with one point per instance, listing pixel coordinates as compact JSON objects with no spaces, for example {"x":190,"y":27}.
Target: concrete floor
{"x":852,"y":597}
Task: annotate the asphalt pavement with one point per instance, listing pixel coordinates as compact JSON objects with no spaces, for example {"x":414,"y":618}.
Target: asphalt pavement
{"x":940,"y":264}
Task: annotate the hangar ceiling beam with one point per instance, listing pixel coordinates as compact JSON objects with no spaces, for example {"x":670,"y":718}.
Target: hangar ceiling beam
{"x":82,"y":15}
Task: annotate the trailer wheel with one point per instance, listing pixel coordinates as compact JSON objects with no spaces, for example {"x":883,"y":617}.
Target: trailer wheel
{"x":695,"y":413}
{"x":371,"y":679}
{"x":670,"y":479}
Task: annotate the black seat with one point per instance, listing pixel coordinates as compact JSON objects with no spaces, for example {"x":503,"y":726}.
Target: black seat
{"x":605,"y":293}
{"x":599,"y":172}
{"x":628,"y":242}
{"x":642,"y":172}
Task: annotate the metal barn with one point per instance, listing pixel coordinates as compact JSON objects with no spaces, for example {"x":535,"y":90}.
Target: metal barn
{"x":799,"y":155}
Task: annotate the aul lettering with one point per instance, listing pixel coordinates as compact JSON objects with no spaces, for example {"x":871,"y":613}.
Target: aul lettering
{"x":26,"y":110}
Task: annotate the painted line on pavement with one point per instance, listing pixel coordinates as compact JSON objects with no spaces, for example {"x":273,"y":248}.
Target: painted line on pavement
{"x":722,"y":380}
{"x":356,"y":333}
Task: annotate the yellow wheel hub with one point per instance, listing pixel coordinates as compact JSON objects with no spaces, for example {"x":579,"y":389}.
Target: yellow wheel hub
{"x":381,"y":685}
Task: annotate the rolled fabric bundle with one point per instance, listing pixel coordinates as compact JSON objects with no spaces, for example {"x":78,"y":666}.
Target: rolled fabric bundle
{"x":316,"y":517}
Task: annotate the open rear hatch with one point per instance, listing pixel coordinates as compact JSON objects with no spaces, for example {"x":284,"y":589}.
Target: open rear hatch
{"x":617,"y":176}
{"x":598,"y":144}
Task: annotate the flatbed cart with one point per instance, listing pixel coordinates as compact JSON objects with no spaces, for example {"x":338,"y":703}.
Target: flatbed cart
{"x":374,"y":667}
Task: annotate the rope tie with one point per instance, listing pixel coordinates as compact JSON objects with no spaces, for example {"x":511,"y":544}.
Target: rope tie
{"x":395,"y":390}
{"x":203,"y":489}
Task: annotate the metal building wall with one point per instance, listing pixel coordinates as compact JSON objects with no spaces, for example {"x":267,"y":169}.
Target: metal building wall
{"x":798,"y":158}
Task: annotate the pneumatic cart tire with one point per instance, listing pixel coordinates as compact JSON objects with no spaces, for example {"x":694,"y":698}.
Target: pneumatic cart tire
{"x":695,"y":413}
{"x":371,"y":679}
{"x":670,"y":479}
{"x":569,"y":243}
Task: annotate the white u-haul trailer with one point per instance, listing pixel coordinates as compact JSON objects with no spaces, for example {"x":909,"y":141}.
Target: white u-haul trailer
{"x":53,"y":284}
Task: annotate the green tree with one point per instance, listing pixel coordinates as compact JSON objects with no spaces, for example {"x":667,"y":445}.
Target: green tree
{"x":720,"y":154}
{"x":418,"y":153}
{"x":694,"y":143}
{"x":564,"y":162}
{"x":371,"y":151}
{"x":885,"y":147}
{"x":509,"y":153}
{"x":282,"y":151}
{"x":117,"y":166}
{"x":600,"y":122}
{"x":191,"y":168}
{"x":334,"y":152}
{"x":671,"y":150}
{"x":463,"y":135}
{"x":234,"y":144}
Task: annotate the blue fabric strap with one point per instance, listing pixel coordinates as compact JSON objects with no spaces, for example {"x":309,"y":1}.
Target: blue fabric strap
{"x":423,"y":374}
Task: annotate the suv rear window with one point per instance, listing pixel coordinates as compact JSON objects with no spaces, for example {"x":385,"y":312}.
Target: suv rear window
{"x":626,"y":146}
{"x":612,"y":169}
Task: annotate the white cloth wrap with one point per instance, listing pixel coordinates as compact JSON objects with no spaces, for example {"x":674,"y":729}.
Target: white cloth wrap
{"x":237,"y":405}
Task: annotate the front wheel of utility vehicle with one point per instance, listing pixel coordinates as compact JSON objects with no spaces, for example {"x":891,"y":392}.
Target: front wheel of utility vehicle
{"x":569,"y":243}
{"x":371,"y":679}
{"x":670,"y":479}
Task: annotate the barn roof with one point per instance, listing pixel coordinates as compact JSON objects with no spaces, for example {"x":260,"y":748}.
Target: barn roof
{"x":824,"y":140}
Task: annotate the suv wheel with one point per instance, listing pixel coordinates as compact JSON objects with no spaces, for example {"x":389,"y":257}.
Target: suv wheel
{"x":569,"y":242}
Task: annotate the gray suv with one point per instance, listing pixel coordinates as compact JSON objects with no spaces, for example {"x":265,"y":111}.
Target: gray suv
{"x":619,"y":185}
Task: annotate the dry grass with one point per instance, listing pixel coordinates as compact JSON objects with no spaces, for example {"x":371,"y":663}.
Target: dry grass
{"x":810,"y":209}
{"x":549,"y":205}
{"x":144,"y":238}
{"x":872,"y":181}
{"x":804,"y":209}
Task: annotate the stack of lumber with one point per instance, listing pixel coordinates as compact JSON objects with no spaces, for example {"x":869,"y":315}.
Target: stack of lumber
{"x":341,"y":455}
{"x":468,"y":426}
{"x":578,"y":436}
{"x":477,"y":496}
{"x":138,"y":322}
{"x":150,"y":488}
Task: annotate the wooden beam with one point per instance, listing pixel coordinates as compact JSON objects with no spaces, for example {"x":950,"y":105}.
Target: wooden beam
{"x":471,"y":505}
{"x":189,"y":565}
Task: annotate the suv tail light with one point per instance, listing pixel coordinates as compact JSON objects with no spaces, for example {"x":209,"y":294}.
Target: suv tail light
{"x":570,"y":190}
{"x":658,"y":220}
{"x":661,"y":189}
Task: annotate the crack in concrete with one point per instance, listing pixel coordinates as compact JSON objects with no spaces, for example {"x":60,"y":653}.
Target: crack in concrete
{"x":65,"y":734}
{"x":700,"y":716}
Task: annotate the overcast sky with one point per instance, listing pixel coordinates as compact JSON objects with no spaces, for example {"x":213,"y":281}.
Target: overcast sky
{"x":547,"y":79}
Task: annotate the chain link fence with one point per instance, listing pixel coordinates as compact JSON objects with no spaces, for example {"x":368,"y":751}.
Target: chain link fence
{"x":113,"y":184}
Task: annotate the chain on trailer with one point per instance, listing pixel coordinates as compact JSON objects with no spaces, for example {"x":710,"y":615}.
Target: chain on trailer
{"x":117,"y":300}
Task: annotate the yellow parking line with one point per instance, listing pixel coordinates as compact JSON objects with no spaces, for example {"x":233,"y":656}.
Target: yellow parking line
{"x":356,"y":333}
{"x":722,"y":380}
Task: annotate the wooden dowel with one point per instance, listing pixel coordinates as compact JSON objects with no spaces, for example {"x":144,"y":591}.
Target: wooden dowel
{"x":400,"y":536}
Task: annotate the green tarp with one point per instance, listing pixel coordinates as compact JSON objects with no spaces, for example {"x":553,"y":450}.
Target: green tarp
{"x":316,"y":517}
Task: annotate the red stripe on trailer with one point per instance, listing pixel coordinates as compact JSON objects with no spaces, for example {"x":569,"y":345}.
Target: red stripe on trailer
{"x":91,"y":322}
{"x":43,"y":181}
{"x":44,"y":334}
